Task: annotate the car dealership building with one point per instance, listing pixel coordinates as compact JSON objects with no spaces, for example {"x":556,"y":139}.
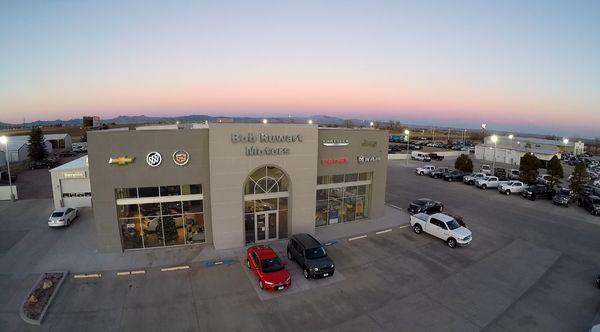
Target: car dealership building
{"x":231,"y":184}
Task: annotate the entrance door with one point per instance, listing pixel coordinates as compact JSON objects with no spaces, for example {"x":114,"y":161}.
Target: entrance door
{"x":265,"y":225}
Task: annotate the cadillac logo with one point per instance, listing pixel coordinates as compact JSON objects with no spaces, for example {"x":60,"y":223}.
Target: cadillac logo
{"x":336,"y":142}
{"x":153,"y":159}
{"x":181,"y":157}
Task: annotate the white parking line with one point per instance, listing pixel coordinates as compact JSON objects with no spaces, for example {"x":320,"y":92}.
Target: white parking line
{"x":219,"y":263}
{"x":357,"y":237}
{"x":126,"y":273}
{"x":92,"y":275}
{"x":395,"y":207}
{"x":138,"y":272}
{"x":404,"y":226}
{"x":384,"y":231}
{"x":174,"y":268}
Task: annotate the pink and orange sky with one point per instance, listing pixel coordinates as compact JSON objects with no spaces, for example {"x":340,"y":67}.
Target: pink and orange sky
{"x":522,"y":67}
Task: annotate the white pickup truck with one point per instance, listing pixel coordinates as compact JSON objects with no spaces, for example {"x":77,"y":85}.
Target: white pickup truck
{"x":425,"y":169}
{"x":489,"y":182}
{"x":512,"y":187}
{"x":441,"y":226}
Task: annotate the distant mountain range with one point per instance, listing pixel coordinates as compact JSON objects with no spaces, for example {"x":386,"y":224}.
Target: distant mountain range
{"x":137,"y":119}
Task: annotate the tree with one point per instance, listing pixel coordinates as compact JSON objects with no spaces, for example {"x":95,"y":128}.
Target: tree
{"x":555,"y":170}
{"x":464,"y":163}
{"x":37,"y":149}
{"x":579,"y":178}
{"x":529,"y":168}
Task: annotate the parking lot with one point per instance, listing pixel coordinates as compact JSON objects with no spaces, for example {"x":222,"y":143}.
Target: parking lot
{"x":530,"y":266}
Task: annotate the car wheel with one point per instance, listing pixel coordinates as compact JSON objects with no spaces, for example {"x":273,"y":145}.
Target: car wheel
{"x":421,"y":174}
{"x":289,"y":256}
{"x":507,"y":193}
{"x":533,"y":198}
{"x":248,"y":263}
{"x":260,"y":284}
{"x":449,"y":179}
{"x":417,"y":229}
{"x":441,"y":208}
{"x":451,"y":242}
{"x":484,"y":187}
{"x":305,"y":273}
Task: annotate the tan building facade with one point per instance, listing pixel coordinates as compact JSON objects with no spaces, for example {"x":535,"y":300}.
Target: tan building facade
{"x":231,"y":184}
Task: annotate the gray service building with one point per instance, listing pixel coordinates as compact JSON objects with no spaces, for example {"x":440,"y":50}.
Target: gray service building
{"x":231,"y":184}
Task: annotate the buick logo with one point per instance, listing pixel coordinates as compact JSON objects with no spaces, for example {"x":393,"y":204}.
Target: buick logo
{"x":153,"y":159}
{"x":181,"y":157}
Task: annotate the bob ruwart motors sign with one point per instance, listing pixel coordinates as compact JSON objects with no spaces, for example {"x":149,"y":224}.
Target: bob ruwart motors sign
{"x":264,"y":138}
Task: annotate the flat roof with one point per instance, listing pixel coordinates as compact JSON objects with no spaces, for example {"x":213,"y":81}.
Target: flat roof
{"x":73,"y":164}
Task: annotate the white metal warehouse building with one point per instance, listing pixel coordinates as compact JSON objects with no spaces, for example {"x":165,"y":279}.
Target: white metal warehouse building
{"x":71,"y":184}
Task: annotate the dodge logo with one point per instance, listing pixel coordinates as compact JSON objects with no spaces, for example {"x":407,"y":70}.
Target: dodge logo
{"x":153,"y":159}
{"x":181,"y":157}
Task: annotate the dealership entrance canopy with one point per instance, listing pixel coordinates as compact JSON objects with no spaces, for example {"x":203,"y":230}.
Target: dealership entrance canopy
{"x":231,"y":184}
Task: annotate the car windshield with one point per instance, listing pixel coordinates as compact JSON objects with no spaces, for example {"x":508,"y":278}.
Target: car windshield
{"x":564,"y":192}
{"x":420,"y":202}
{"x":315,"y":253}
{"x":271,"y":264}
{"x":452,"y":224}
{"x":57,"y":214}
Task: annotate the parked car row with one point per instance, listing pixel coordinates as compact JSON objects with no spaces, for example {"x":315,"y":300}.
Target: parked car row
{"x":303,"y":249}
{"x":589,"y":199}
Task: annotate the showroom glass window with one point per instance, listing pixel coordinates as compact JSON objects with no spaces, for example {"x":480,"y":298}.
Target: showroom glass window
{"x":346,"y":201}
{"x":160,"y":216}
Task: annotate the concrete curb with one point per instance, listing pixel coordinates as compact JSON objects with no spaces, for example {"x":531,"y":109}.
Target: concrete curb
{"x":56,"y":289}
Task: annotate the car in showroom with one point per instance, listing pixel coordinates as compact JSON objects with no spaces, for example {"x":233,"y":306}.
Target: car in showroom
{"x":268,"y":268}
{"x":425,"y":205}
{"x":471,"y":178}
{"x":564,"y":197}
{"x":590,"y":203}
{"x":310,"y":254}
{"x":424,"y":170}
{"x":512,"y":187}
{"x":440,"y":172}
{"x":443,"y":227}
{"x":538,"y":191}
{"x":62,"y":217}
{"x":454,"y":176}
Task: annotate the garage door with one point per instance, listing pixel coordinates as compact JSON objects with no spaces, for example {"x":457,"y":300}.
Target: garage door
{"x":76,"y":192}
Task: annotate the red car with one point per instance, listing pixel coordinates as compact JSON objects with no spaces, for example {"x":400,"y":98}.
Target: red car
{"x":268,"y":268}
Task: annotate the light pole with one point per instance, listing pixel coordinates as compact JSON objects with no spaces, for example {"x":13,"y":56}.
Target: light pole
{"x":433,"y":130}
{"x":4,"y":140}
{"x":566,"y":141}
{"x":464,"y":137}
{"x":494,"y":140}
{"x":407,"y":133}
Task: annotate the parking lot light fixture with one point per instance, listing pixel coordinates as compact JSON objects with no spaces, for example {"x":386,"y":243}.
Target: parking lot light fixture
{"x":4,"y":141}
{"x":310,"y":121}
{"x":495,"y":141}
{"x":265,"y":121}
{"x":566,"y":141}
{"x":407,"y":133}
{"x":371,"y":123}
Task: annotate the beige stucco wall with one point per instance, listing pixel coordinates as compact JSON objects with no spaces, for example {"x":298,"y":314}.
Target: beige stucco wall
{"x":230,"y":167}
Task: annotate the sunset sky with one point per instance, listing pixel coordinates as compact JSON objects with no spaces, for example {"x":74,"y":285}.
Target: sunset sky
{"x":522,"y":65}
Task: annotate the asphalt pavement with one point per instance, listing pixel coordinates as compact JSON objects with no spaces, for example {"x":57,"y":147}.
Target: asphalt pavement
{"x":530,"y":267}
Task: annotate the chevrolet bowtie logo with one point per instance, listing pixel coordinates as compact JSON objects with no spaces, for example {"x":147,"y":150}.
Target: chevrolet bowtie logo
{"x":121,"y":160}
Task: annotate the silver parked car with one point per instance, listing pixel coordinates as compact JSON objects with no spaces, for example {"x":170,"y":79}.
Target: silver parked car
{"x":62,"y":217}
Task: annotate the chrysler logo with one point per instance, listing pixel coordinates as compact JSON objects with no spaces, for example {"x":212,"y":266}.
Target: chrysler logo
{"x":153,"y":159}
{"x":181,"y":157}
{"x":336,"y":142}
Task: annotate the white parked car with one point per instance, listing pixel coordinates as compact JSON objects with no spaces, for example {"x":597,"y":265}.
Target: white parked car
{"x":63,"y":217}
{"x":544,"y":179}
{"x":514,"y":174}
{"x":441,"y":226}
{"x":486,"y":169}
{"x":512,"y":187}
{"x":471,"y":178}
{"x":425,"y":169}
{"x":420,"y":156}
{"x":489,"y":182}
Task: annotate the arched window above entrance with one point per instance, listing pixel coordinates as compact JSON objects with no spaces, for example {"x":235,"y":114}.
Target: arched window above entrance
{"x":264,"y":180}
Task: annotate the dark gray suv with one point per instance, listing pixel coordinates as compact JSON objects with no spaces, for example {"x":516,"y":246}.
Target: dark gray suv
{"x":310,"y":255}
